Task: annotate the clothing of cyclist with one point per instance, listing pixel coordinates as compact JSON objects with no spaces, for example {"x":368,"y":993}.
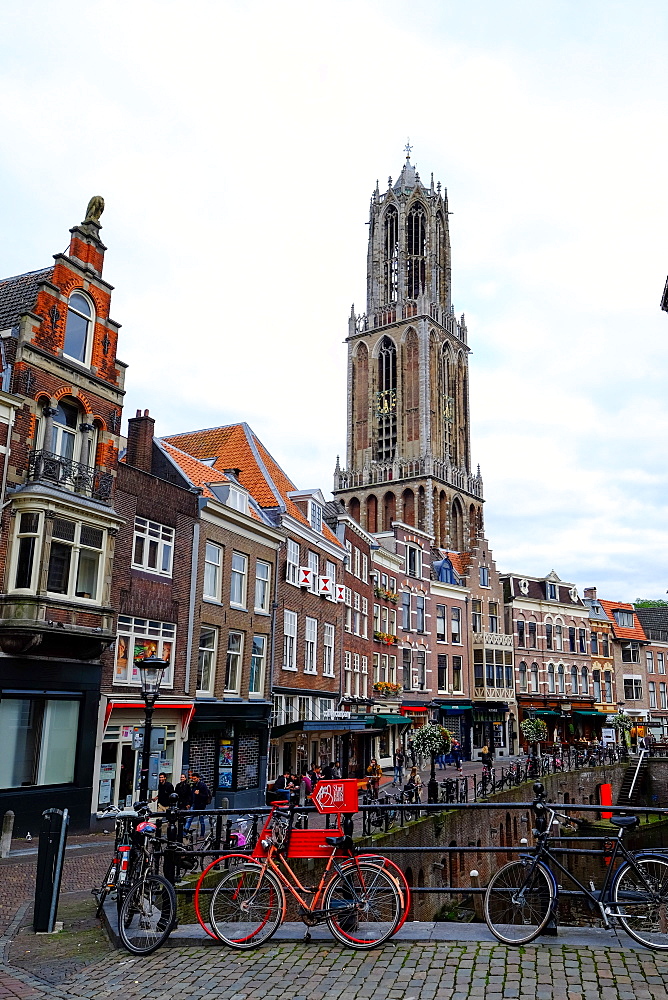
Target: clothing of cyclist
{"x":486,"y":756}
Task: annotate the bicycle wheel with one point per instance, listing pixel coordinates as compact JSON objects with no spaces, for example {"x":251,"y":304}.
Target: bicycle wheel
{"x":247,"y":906}
{"x":641,"y":890}
{"x":369,"y":905}
{"x":147,"y":915}
{"x":398,"y":875}
{"x":518,"y":902}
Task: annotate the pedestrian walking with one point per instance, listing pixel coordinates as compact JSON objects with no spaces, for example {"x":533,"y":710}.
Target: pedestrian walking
{"x":456,"y":751}
{"x":165,"y":789}
{"x":184,"y":792}
{"x":414,"y":786}
{"x":201,"y":799}
{"x":399,"y":761}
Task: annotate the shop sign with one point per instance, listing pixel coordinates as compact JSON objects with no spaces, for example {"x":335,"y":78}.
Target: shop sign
{"x":107,"y":770}
{"x":105,"y":791}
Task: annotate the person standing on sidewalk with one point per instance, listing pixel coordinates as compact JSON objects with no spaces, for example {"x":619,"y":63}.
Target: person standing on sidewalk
{"x":399,"y":761}
{"x":456,"y":751}
{"x":165,"y":789}
{"x":375,"y":773}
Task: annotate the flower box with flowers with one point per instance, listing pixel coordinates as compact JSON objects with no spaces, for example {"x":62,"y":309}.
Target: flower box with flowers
{"x":387,"y":690}
{"x":385,"y":637}
{"x":386,"y":595}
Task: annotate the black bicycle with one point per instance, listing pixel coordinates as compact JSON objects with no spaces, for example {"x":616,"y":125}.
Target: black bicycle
{"x":148,"y":912}
{"x":522,"y":896}
{"x":119,"y":872}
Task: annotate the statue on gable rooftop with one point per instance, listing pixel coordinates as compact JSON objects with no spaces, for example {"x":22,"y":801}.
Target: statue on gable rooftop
{"x":95,"y":209}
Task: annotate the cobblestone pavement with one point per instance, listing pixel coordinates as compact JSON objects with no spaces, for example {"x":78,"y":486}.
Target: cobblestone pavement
{"x":395,"y":972}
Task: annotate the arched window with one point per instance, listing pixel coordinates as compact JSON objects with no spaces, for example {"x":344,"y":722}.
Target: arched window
{"x":409,"y":507}
{"x":372,"y":514}
{"x":391,"y":255}
{"x":561,"y":686}
{"x":386,"y":401}
{"x":574,"y":680}
{"x":440,"y":260}
{"x":389,"y":510}
{"x":585,"y":681}
{"x":64,"y":433}
{"x":534,"y":677}
{"x":550,"y":678}
{"x":523,"y":676}
{"x":354,"y":509}
{"x":457,"y":526}
{"x":361,"y":397}
{"x":78,"y":327}
{"x":411,"y":387}
{"x":416,"y":244}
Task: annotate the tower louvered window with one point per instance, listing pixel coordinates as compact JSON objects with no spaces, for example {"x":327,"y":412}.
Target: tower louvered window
{"x":386,"y":401}
{"x":391,"y":255}
{"x":416,"y":241}
{"x":412,"y":387}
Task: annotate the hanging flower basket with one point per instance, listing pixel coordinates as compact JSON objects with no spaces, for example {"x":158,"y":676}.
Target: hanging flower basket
{"x":431,"y":740}
{"x":621,"y":721}
{"x":534,"y":730}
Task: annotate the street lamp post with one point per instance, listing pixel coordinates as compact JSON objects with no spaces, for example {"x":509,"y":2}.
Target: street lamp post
{"x":150,"y":670}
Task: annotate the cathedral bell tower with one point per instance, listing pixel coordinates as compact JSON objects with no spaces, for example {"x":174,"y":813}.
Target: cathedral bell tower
{"x":408,"y":456}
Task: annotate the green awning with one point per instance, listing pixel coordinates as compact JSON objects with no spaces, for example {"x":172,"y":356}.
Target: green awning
{"x":546,"y":711}
{"x":388,"y":719}
{"x":590,"y":711}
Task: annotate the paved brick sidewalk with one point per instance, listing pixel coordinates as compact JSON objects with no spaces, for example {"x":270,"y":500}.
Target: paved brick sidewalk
{"x":395,"y":972}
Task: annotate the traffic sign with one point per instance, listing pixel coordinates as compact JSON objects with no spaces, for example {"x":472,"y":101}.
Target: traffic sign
{"x":338,"y":795}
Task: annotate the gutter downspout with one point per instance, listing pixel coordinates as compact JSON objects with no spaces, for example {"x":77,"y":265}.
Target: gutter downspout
{"x":194,"y":569}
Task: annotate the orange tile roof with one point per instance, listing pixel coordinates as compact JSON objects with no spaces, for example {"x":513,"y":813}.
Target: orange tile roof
{"x":200,"y":474}
{"x":459,"y":564}
{"x":235,"y":446}
{"x":619,"y":632}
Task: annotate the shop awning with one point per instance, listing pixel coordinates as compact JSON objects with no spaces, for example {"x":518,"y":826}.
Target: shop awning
{"x":412,"y":709}
{"x":316,"y":726}
{"x":590,"y":712}
{"x":187,"y":710}
{"x":455,"y":709}
{"x":388,"y":719}
{"x":544,"y":711}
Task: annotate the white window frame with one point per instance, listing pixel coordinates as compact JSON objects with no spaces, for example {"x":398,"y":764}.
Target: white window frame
{"x":651,"y":692}
{"x":258,"y":665}
{"x":414,"y":555}
{"x":147,"y":532}
{"x":292,"y":562}
{"x":238,"y":660}
{"x":213,"y":568}
{"x":328,"y":650}
{"x":313,"y":561}
{"x":209,"y":653}
{"x":330,"y":571}
{"x":289,"y":640}
{"x":311,"y":646}
{"x":262,"y":587}
{"x":78,"y":548}
{"x":242,"y":574}
{"x":35,"y":555}
{"x":159,"y":637}
{"x":347,"y":673}
{"x":90,"y":330}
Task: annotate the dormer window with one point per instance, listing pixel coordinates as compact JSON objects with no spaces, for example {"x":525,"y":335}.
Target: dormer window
{"x":316,"y":517}
{"x":237,"y":499}
{"x":78,"y":327}
{"x":624,"y":618}
{"x":552,"y":591}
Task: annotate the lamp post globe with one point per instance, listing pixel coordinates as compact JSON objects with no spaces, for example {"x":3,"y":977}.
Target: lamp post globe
{"x":151,"y":671}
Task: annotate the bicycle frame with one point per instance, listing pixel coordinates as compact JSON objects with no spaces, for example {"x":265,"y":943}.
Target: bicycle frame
{"x":599,"y":897}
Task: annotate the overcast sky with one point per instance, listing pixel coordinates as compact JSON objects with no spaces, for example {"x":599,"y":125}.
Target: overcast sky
{"x":237,"y":146}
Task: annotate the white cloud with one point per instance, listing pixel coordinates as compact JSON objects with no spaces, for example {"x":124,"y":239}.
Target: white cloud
{"x":237,"y":146}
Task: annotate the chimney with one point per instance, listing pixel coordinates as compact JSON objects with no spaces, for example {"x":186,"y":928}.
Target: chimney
{"x":140,"y":441}
{"x":590,"y":593}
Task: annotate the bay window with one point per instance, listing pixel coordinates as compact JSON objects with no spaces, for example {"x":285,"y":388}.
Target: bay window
{"x":74,"y":559}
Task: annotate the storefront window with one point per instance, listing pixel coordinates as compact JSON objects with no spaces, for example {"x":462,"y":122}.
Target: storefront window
{"x":39,"y":741}
{"x":119,"y":763}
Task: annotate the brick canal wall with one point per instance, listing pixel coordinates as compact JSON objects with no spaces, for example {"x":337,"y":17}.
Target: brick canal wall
{"x":476,"y":828}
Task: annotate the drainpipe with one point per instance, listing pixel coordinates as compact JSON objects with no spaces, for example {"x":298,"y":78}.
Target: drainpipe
{"x":194,"y":569}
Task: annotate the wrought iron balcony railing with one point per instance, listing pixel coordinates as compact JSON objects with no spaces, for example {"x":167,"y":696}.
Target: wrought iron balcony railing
{"x":45,"y":466}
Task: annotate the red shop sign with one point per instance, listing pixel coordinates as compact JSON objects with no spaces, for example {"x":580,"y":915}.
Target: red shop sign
{"x":336,"y":796}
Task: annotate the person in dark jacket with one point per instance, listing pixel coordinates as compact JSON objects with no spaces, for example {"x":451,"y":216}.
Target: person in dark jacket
{"x":165,"y":789}
{"x":185,"y":793}
{"x":201,"y":799}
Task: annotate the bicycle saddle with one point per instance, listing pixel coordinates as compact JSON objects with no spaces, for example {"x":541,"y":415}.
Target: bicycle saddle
{"x":624,"y":820}
{"x":341,"y":842}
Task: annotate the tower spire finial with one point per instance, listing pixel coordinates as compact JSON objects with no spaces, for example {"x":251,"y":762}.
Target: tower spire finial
{"x":407,"y":150}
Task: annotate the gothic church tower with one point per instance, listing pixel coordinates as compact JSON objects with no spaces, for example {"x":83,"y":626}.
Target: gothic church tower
{"x":408,"y":453}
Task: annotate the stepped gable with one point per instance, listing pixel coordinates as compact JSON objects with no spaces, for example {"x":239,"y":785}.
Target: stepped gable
{"x":235,"y":446}
{"x":618,"y":630}
{"x":19,"y":293}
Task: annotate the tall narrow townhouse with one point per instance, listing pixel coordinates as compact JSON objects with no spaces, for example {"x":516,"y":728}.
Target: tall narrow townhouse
{"x":60,"y":412}
{"x":654,"y":623}
{"x":604,"y":683}
{"x":151,"y":590}
{"x":369,"y":648}
{"x":306,"y":660}
{"x":550,"y":625}
{"x":490,"y":669}
{"x":629,"y":643}
{"x":232,"y":586}
{"x":450,"y":646}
